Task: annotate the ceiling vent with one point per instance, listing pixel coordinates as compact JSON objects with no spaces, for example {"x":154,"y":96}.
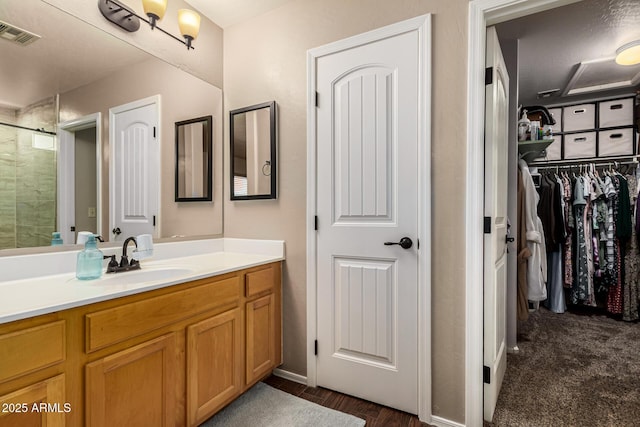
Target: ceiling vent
{"x":601,"y":74}
{"x":16,"y":35}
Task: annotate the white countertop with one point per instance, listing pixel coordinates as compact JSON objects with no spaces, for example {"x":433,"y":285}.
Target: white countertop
{"x":43,"y":293}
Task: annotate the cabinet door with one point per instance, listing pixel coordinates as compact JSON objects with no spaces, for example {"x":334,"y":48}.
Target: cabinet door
{"x":261,"y":337}
{"x":40,"y":404}
{"x":214,"y":364}
{"x":134,"y":387}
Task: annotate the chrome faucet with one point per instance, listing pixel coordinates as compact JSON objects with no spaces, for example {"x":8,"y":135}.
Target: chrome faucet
{"x":125,"y":264}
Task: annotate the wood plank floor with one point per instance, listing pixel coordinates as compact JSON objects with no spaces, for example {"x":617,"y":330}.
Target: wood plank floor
{"x":375,"y":415}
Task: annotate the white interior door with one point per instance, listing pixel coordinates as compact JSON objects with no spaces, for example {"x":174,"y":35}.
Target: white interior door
{"x":135,"y":158}
{"x":367,"y":122}
{"x":495,"y":211}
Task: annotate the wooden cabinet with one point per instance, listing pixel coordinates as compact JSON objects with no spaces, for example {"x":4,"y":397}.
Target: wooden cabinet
{"x":261,"y":324}
{"x":39,"y":404}
{"x":134,"y":387}
{"x":214,"y":364}
{"x":169,"y":357}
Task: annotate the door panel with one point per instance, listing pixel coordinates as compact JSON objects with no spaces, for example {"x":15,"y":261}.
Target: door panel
{"x":134,"y":197}
{"x":367,"y":139}
{"x":495,"y":250}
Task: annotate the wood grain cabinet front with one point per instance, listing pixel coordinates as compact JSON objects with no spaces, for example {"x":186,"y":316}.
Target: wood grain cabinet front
{"x":39,"y":404}
{"x":214,"y":364}
{"x":168,"y":357}
{"x":261,"y":325}
{"x":134,"y":387}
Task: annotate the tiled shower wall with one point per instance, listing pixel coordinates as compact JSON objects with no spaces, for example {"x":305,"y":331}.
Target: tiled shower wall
{"x":27,"y":178}
{"x":8,"y":148}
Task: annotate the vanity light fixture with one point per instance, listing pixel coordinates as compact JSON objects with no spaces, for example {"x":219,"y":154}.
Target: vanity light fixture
{"x":629,"y":54}
{"x":124,"y":17}
{"x":155,"y":10}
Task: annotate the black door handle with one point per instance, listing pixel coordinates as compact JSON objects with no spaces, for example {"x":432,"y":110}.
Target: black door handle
{"x":405,"y":243}
{"x":116,"y":231}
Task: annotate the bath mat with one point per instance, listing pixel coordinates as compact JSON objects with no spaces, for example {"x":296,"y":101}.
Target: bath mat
{"x":265,"y":406}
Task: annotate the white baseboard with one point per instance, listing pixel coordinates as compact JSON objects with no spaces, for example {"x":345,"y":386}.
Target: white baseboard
{"x":290,"y":376}
{"x":443,"y":422}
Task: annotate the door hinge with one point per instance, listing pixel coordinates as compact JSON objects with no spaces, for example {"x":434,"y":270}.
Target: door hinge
{"x":316,"y":100}
{"x":154,"y":220}
{"x":315,"y":223}
{"x":315,"y":348}
{"x":487,"y":225}
{"x":488,"y":76}
{"x":486,"y":374}
{"x":73,"y":228}
{"x":154,"y":131}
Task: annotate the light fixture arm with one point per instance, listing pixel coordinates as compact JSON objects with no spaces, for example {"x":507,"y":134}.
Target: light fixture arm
{"x":123,"y":17}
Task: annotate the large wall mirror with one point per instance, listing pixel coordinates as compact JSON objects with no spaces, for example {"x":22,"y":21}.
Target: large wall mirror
{"x":194,"y":160}
{"x":252,"y":132}
{"x":59,"y":83}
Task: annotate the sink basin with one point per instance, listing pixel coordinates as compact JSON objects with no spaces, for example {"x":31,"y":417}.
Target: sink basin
{"x":139,"y":276}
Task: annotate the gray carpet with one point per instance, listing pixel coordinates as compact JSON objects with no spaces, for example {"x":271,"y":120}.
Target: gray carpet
{"x":573,"y":370}
{"x":266,"y":406}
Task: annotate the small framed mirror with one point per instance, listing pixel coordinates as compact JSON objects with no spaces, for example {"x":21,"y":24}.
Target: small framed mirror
{"x":194,"y":160}
{"x":252,"y":136}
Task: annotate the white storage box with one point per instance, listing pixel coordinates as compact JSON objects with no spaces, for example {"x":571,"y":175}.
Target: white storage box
{"x":616,"y":113}
{"x":557,"y":114}
{"x":580,"y":145}
{"x":579,"y":117}
{"x":616,"y":142}
{"x":554,"y":150}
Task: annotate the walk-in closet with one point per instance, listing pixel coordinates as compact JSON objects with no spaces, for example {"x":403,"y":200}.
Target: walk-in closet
{"x":573,"y":281}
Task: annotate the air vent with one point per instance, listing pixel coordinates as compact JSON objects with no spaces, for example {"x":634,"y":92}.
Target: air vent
{"x":548,"y":93}
{"x":16,"y":35}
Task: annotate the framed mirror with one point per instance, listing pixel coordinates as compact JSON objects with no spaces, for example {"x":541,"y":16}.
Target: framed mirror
{"x":194,"y":160}
{"x":252,"y":136}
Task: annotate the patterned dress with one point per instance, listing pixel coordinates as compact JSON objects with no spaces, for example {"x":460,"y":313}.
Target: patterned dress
{"x":580,"y":289}
{"x":631,"y":263}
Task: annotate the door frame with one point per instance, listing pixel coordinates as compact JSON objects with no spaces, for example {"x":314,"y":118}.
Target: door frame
{"x":482,"y":13}
{"x":421,"y":24}
{"x":66,"y":173}
{"x":151,"y":100}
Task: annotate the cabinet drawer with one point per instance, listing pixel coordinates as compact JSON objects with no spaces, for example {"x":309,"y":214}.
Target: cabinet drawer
{"x":117,"y":324}
{"x":258,"y":282}
{"x":617,"y":142}
{"x":616,"y":113}
{"x":30,"y":349}
{"x":579,"y":117}
{"x":579,"y":145}
{"x":557,"y":115}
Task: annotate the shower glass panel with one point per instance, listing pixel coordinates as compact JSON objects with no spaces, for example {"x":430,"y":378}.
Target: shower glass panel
{"x":28,"y":175}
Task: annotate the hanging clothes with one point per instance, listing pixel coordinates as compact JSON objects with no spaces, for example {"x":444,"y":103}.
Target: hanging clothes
{"x":580,"y":289}
{"x":537,"y":263}
{"x":630,"y":290}
{"x":523,"y":253}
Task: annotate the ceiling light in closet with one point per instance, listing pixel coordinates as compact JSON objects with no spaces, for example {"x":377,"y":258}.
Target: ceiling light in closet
{"x":629,"y":54}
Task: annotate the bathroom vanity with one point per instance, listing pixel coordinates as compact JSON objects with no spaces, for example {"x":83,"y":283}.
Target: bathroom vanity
{"x":169,"y":347}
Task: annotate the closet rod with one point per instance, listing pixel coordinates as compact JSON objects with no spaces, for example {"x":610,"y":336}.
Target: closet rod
{"x":41,"y":130}
{"x":620,"y":160}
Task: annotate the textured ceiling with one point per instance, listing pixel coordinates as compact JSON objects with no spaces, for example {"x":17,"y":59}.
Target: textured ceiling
{"x":553,"y":44}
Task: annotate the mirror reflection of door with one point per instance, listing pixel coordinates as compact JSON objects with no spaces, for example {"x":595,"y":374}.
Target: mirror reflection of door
{"x":85,"y":181}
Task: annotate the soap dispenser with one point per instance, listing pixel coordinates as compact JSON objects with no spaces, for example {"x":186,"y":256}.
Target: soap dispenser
{"x":89,"y":265}
{"x":56,"y":240}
